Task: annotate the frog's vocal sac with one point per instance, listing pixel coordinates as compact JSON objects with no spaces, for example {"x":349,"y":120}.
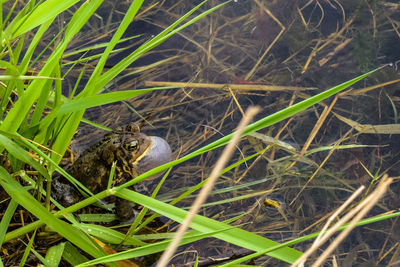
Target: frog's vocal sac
{"x":134,"y":154}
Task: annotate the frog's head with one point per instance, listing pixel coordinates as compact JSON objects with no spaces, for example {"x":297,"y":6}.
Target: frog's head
{"x":143,"y":153}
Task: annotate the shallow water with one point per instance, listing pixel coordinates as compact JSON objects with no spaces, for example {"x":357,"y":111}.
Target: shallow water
{"x":319,"y":46}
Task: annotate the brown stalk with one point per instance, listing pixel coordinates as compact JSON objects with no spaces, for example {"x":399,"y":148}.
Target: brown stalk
{"x":205,"y":191}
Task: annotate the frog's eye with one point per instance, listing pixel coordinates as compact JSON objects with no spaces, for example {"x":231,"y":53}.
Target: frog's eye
{"x":132,"y":146}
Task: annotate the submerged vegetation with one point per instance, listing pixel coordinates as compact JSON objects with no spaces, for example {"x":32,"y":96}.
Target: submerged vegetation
{"x":96,"y":65}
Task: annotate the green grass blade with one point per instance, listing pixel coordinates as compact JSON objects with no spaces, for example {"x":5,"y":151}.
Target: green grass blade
{"x":6,"y":219}
{"x":258,"y":125}
{"x":72,"y":255}
{"x":96,"y":46}
{"x":41,"y":258}
{"x":70,"y":123}
{"x":290,"y":111}
{"x":83,"y":103}
{"x":60,"y":214}
{"x":18,"y":19}
{"x":22,"y":107}
{"x":235,"y":236}
{"x":21,"y":154}
{"x":25,"y":77}
{"x":91,"y":87}
{"x":65,"y":136}
{"x":54,"y":254}
{"x":109,"y":235}
{"x":15,"y":55}
{"x":5,"y":95}
{"x":151,"y":248}
{"x":41,"y":103}
{"x":52,"y":164}
{"x":312,"y":236}
{"x":157,"y":40}
{"x":46,"y":11}
{"x":32,"y":46}
{"x":27,"y":250}
{"x":22,"y":197}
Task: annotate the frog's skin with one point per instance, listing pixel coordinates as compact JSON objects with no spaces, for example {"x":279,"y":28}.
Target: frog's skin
{"x":133,"y":152}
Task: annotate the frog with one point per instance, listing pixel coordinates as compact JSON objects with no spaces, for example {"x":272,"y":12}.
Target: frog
{"x":134,"y":153}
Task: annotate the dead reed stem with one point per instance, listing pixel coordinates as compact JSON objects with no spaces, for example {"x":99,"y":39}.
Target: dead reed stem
{"x":205,"y":191}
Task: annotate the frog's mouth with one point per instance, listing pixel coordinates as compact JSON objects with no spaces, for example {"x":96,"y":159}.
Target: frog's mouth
{"x":156,"y":154}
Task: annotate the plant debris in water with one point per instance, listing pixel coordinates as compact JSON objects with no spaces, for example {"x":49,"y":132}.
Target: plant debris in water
{"x":291,"y":189}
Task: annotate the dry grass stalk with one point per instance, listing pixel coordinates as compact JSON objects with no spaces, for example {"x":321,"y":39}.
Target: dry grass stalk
{"x":370,"y":88}
{"x":241,"y":87}
{"x":315,"y":130}
{"x":205,"y":191}
{"x":360,"y":211}
{"x":357,"y":213}
{"x":311,"y":137}
{"x":283,"y":28}
{"x":336,"y":144}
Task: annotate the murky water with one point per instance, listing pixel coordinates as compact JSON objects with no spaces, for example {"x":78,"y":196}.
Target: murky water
{"x":312,"y":45}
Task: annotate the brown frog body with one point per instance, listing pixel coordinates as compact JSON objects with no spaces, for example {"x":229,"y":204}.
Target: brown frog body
{"x":134,"y":154}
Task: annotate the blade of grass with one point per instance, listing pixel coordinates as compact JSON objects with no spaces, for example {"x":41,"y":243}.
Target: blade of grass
{"x":311,"y":236}
{"x":207,"y":188}
{"x":94,"y":85}
{"x":96,"y":46}
{"x":83,"y":103}
{"x":23,"y":67}
{"x":54,"y":254}
{"x":7,"y":33}
{"x":198,"y":186}
{"x":72,"y":255}
{"x":21,"y":154}
{"x":41,"y":104}
{"x":44,"y":12}
{"x":255,"y":126}
{"x":22,"y":197}
{"x":68,"y":130}
{"x":90,"y":88}
{"x":148,"y":249}
{"x":49,"y":160}
{"x":25,"y":102}
{"x":109,"y":235}
{"x":157,"y":40}
{"x":27,"y":249}
{"x":41,"y":258}
{"x":25,"y":77}
{"x":6,"y":219}
{"x":32,"y":226}
{"x":235,"y":236}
